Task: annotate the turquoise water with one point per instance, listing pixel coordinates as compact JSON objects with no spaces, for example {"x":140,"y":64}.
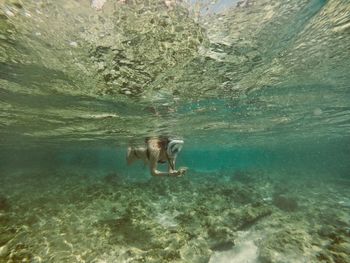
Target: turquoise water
{"x":258,"y":90}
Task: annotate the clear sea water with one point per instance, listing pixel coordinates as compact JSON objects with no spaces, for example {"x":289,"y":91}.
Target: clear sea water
{"x":258,"y":89}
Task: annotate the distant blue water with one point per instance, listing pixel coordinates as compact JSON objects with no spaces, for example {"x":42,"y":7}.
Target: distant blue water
{"x":325,"y":159}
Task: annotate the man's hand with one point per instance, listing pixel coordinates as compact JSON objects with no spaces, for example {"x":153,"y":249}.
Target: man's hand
{"x":181,"y":172}
{"x":174,"y":173}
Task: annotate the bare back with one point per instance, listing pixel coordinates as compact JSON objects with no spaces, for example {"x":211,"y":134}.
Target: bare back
{"x":157,"y":149}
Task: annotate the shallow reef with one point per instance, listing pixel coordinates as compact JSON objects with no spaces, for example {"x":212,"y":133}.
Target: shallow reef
{"x":70,"y":215}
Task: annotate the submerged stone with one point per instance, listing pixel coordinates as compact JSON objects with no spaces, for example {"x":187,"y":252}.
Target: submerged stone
{"x":20,"y":253}
{"x":98,"y":4}
{"x":243,"y":251}
{"x":285,"y":203}
{"x":6,"y":235}
{"x":4,"y":204}
{"x":244,"y":177}
{"x":4,"y":251}
{"x":222,"y":246}
{"x":16,"y":3}
{"x":286,"y":245}
{"x":195,"y":252}
{"x":250,"y":215}
{"x":239,"y":193}
{"x":220,"y":238}
{"x":113,"y":178}
{"x":73,"y":44}
{"x":341,"y":248}
{"x":323,"y":257}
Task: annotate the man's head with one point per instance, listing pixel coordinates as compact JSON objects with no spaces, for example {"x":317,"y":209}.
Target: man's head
{"x":174,"y":147}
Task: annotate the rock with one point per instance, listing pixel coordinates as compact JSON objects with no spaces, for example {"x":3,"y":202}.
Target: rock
{"x":341,"y":248}
{"x":16,"y":3}
{"x":4,"y":204}
{"x":243,"y":176}
{"x":101,"y":66}
{"x":97,"y":4}
{"x":284,"y":245}
{"x":220,"y":238}
{"x":195,"y":252}
{"x":132,"y":255}
{"x":9,"y":13}
{"x":73,"y":44}
{"x":222,"y":246}
{"x":4,"y":251}
{"x":21,"y":253}
{"x":2,"y":215}
{"x":127,"y":92}
{"x":6,"y":236}
{"x":340,"y":257}
{"x":171,"y":255}
{"x":239,"y":193}
{"x":285,"y":203}
{"x":323,"y":257}
{"x":113,"y":178}
{"x":251,"y":215}
{"x":326,"y":231}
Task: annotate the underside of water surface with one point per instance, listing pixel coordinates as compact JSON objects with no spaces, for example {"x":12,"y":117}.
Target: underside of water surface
{"x":259,"y":90}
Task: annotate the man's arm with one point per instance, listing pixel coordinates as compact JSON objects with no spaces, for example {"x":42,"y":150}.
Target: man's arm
{"x":154,"y":154}
{"x":171,"y":165}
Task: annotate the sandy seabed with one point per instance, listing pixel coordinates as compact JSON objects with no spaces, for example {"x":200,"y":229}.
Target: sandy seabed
{"x":69,"y":215}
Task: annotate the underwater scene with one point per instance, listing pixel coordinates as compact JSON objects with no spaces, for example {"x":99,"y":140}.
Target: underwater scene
{"x":195,"y":131}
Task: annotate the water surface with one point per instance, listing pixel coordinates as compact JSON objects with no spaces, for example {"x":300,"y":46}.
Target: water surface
{"x":259,"y":91}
